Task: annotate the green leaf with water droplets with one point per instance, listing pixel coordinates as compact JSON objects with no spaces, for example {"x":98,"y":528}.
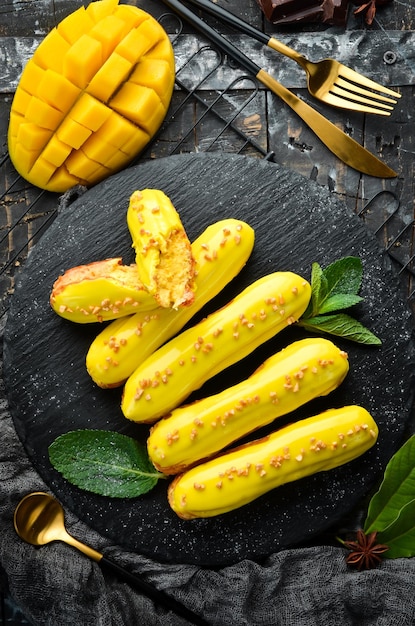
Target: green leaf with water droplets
{"x":344,"y":276}
{"x":103,"y":462}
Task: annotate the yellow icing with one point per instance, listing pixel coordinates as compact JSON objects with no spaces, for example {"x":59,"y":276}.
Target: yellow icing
{"x":220,"y":252}
{"x":302,"y":371}
{"x":100,"y":291}
{"x":182,"y":365}
{"x":316,"y":444}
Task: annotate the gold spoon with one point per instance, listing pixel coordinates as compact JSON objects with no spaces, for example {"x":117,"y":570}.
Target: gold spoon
{"x":39,"y":519}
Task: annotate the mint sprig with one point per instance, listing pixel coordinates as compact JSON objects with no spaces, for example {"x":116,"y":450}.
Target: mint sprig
{"x":104,"y":462}
{"x":334,"y":289}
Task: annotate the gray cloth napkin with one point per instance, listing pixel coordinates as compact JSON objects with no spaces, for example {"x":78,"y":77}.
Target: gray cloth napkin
{"x":57,"y":586}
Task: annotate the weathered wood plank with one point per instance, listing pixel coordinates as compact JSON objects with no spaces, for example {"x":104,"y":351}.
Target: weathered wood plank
{"x":24,"y":212}
{"x":232,"y":122}
{"x":20,"y":18}
{"x":195,"y":121}
{"x":362,"y":51}
{"x":17,"y":17}
{"x":395,"y":14}
{"x":297,"y":147}
{"x":394,"y":141}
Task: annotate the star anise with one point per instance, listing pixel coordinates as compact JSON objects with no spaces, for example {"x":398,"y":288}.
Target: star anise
{"x":369,"y":8}
{"x":365,"y":552}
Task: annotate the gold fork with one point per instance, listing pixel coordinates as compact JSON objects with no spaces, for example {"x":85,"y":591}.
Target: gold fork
{"x":327,"y":80}
{"x":341,"y":144}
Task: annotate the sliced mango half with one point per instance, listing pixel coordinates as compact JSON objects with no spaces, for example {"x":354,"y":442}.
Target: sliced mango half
{"x":92,"y":96}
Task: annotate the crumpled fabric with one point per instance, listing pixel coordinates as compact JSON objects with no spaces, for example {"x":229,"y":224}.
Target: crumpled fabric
{"x":310,"y":586}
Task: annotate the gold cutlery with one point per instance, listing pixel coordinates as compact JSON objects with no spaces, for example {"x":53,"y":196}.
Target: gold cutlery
{"x":39,"y":520}
{"x":327,"y":80}
{"x":342,"y":145}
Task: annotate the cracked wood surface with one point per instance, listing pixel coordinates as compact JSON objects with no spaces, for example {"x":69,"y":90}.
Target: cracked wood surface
{"x":358,"y":50}
{"x":219,"y":87}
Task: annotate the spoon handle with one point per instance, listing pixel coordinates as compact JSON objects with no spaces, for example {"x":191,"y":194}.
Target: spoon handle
{"x":152,"y":592}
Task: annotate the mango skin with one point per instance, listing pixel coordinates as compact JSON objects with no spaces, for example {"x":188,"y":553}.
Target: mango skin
{"x":315,"y":444}
{"x":92,"y":96}
{"x":304,"y":370}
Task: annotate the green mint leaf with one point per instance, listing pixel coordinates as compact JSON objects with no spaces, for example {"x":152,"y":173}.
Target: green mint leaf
{"x":340,"y":325}
{"x":333,"y":289}
{"x":399,"y":536}
{"x":344,"y":276}
{"x":318,"y":290}
{"x":336,"y":287}
{"x":396,"y":490}
{"x":339,"y":301}
{"x":104,"y":462}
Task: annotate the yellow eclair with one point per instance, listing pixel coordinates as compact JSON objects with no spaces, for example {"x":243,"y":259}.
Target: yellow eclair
{"x":100,"y":291}
{"x":184,"y":363}
{"x":162,"y":249}
{"x":304,"y":370}
{"x":316,"y":444}
{"x":220,"y":253}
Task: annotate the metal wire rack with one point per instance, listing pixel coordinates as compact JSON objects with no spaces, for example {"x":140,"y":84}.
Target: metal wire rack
{"x":26,"y":212}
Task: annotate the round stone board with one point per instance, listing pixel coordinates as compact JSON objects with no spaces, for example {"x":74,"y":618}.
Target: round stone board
{"x":297,"y":222}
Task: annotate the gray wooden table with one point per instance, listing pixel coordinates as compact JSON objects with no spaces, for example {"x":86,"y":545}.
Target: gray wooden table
{"x":217,"y":107}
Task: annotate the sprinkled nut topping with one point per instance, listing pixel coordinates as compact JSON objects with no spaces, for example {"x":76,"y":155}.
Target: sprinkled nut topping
{"x":172,"y":437}
{"x":212,"y":337}
{"x":199,"y":486}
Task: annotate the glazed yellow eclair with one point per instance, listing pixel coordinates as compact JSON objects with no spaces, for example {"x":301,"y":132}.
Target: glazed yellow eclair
{"x":162,"y":249}
{"x":315,"y":444}
{"x":100,"y":291}
{"x":184,"y":363}
{"x":220,"y":253}
{"x":304,"y":370}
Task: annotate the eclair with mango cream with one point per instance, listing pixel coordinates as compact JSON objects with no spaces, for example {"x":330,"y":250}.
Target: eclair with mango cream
{"x":220,"y":253}
{"x":316,"y":444}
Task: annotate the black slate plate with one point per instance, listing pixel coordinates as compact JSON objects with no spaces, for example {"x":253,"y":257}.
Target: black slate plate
{"x":296,"y":222}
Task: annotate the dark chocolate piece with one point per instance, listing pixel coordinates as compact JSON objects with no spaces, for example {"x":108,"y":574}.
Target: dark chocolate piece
{"x":332,"y":12}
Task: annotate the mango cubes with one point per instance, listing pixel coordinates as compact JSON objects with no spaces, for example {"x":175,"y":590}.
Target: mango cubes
{"x":92,"y":96}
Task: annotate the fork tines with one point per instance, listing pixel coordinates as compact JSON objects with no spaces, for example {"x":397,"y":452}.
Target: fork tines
{"x":358,"y":89}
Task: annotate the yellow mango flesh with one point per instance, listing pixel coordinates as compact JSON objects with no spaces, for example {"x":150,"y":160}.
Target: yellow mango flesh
{"x":92,"y":96}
